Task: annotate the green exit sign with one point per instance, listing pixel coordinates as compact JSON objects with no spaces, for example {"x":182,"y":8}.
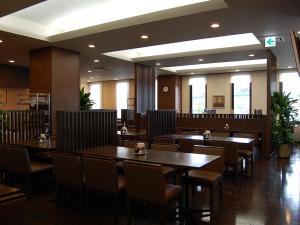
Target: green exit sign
{"x":270,"y":42}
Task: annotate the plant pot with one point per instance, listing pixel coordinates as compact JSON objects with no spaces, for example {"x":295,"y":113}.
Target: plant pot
{"x":284,"y":151}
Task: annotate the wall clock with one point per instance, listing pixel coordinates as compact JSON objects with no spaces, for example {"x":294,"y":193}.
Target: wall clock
{"x":165,"y":89}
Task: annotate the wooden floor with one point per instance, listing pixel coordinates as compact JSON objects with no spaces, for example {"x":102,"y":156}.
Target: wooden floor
{"x":270,"y":197}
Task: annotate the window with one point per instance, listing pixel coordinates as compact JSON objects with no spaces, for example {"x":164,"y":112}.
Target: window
{"x":122,"y":90}
{"x":96,"y":95}
{"x":291,"y":84}
{"x":241,"y":93}
{"x":198,"y":94}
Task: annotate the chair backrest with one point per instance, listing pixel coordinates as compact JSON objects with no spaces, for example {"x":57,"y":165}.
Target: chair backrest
{"x":186,"y":145}
{"x":3,"y":156}
{"x":129,"y":144}
{"x":245,"y":135}
{"x":220,"y":134}
{"x":67,"y":170}
{"x":100,"y":174}
{"x":16,"y":159}
{"x":231,"y":151}
{"x":145,"y":182}
{"x":165,"y":147}
{"x":217,"y":165}
{"x":163,"y":140}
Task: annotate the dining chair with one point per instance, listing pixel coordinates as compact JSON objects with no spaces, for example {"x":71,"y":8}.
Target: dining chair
{"x":186,"y":145}
{"x":211,"y":175}
{"x":68,"y":176}
{"x":145,"y":183}
{"x":17,"y":163}
{"x":246,"y":150}
{"x":231,"y":157}
{"x":163,"y":140}
{"x":107,"y":180}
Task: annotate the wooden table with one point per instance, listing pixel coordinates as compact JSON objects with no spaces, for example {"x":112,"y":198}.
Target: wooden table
{"x":185,"y":161}
{"x":34,"y":144}
{"x":238,"y":140}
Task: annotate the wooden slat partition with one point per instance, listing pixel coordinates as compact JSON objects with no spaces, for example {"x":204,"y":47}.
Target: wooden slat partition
{"x":161,"y":122}
{"x":23,"y":125}
{"x":85,"y":129}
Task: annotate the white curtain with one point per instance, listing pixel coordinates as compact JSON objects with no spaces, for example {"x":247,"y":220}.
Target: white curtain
{"x":122,"y":94}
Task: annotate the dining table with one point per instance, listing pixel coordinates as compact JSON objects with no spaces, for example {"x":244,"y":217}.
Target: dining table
{"x":35,"y":144}
{"x":184,"y":161}
{"x":133,"y":135}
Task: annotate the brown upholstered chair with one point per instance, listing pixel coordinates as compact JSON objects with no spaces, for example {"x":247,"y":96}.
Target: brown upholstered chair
{"x":146,"y":183}
{"x":163,"y":140}
{"x":246,"y":150}
{"x":17,"y":163}
{"x":165,"y":147}
{"x":210,"y":176}
{"x":231,"y":157}
{"x":68,"y":175}
{"x":12,"y":204}
{"x":186,"y":145}
{"x":107,"y":180}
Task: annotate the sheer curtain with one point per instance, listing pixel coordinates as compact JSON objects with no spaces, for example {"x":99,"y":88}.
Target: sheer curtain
{"x":241,"y":93}
{"x":122,"y":93}
{"x":96,"y":95}
{"x":198,"y":94}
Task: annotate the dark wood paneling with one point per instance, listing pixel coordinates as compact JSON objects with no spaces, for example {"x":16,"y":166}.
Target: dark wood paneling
{"x":85,"y":129}
{"x":144,"y":88}
{"x":14,"y":77}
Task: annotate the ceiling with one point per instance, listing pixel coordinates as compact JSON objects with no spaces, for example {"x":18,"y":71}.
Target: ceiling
{"x":260,"y":17}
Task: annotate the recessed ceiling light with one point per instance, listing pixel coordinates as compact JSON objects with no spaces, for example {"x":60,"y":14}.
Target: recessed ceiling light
{"x":1,"y":41}
{"x":187,"y":48}
{"x":299,"y":32}
{"x":251,"y":55}
{"x":96,"y":60}
{"x":232,"y":64}
{"x":290,"y":67}
{"x":158,"y":64}
{"x":92,"y":46}
{"x":116,"y":78}
{"x":200,"y":60}
{"x":89,"y":71}
{"x":192,"y":73}
{"x":89,"y":81}
{"x":11,"y":61}
{"x":237,"y":70}
{"x":215,"y":25}
{"x":91,"y":78}
{"x":144,"y":36}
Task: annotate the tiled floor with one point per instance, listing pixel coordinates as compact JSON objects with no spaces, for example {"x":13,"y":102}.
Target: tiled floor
{"x":270,"y":197}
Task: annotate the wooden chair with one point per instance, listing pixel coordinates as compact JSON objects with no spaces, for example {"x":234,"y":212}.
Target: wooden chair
{"x":246,"y":150}
{"x":163,"y":140}
{"x":68,"y":175}
{"x":17,"y":163}
{"x":145,"y":183}
{"x":107,"y":180}
{"x":165,"y":147}
{"x":231,"y":157}
{"x":186,"y":145}
{"x":210,"y":176}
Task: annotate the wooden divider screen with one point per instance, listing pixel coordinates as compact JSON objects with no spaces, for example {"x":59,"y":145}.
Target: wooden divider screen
{"x":161,"y":122}
{"x":85,"y":129}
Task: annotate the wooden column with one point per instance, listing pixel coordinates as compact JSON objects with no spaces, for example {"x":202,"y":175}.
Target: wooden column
{"x":56,"y":71}
{"x":144,"y":88}
{"x":271,"y":88}
{"x":170,"y":99}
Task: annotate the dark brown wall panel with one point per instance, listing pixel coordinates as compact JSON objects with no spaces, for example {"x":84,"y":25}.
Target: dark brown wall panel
{"x":14,"y":77}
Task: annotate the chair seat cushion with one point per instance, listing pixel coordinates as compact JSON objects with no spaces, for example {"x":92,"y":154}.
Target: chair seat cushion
{"x":245,"y":153}
{"x":7,"y":190}
{"x":39,"y":167}
{"x":172,"y":191}
{"x":204,"y":177}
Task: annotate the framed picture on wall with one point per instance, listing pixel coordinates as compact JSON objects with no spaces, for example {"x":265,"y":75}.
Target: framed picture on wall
{"x":218,"y":101}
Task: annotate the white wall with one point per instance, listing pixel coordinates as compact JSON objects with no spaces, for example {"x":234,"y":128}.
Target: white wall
{"x":219,"y":84}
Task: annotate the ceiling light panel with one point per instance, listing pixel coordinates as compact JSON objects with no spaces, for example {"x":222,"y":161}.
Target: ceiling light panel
{"x":55,"y":17}
{"x":232,"y":64}
{"x":186,"y":48}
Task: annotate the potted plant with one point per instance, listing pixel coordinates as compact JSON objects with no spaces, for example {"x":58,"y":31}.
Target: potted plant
{"x":284,"y":121}
{"x":85,"y":102}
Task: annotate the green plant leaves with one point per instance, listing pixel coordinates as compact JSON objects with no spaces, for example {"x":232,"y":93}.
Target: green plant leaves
{"x":85,"y":102}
